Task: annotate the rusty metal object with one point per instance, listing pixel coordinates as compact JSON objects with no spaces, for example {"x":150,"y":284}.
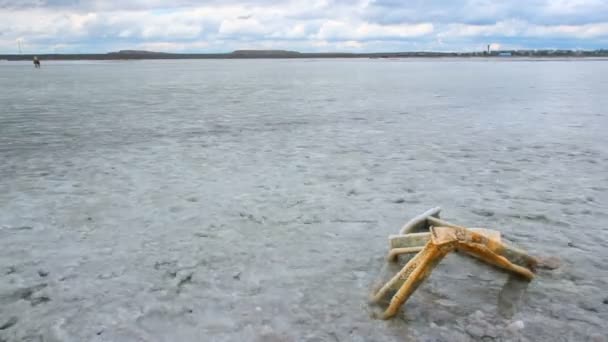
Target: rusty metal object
{"x":431,"y":239}
{"x":443,"y":241}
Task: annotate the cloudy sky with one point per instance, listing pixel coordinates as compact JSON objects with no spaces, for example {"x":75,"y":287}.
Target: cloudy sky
{"x":307,"y":25}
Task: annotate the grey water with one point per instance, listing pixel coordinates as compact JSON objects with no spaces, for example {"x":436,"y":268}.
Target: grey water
{"x":251,"y":200}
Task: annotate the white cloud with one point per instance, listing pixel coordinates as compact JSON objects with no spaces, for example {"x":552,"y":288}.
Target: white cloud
{"x":362,"y":25}
{"x":232,"y":27}
{"x":516,"y":28}
{"x":340,"y":30}
{"x":576,"y":31}
{"x":171,"y":46}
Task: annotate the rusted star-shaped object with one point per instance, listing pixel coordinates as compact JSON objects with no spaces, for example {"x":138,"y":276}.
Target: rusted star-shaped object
{"x":431,"y":239}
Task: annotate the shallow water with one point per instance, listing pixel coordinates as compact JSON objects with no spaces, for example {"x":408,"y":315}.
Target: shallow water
{"x":237,"y":200}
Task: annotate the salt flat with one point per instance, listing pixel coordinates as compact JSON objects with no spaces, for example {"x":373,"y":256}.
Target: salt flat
{"x":251,"y":200}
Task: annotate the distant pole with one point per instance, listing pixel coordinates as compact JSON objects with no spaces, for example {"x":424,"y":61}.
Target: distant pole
{"x":488,"y":49}
{"x":19,"y":45}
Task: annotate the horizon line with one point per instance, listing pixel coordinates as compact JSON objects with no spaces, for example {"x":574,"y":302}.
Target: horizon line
{"x":283,"y":51}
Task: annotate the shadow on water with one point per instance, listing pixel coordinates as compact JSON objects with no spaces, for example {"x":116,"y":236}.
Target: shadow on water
{"x":510,"y":296}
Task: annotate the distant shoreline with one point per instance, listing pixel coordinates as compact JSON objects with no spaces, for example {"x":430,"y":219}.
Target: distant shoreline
{"x":281,"y":54}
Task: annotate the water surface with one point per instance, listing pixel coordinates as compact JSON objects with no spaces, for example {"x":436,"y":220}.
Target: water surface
{"x":234,"y":200}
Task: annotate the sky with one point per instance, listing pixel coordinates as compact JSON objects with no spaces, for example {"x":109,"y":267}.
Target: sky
{"x":98,"y":26}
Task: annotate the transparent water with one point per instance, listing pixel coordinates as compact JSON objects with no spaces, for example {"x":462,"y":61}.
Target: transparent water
{"x":236,"y":200}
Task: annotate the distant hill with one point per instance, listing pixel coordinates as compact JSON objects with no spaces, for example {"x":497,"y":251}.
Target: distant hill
{"x":240,"y":53}
{"x":264,"y":53}
{"x":135,"y":52}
